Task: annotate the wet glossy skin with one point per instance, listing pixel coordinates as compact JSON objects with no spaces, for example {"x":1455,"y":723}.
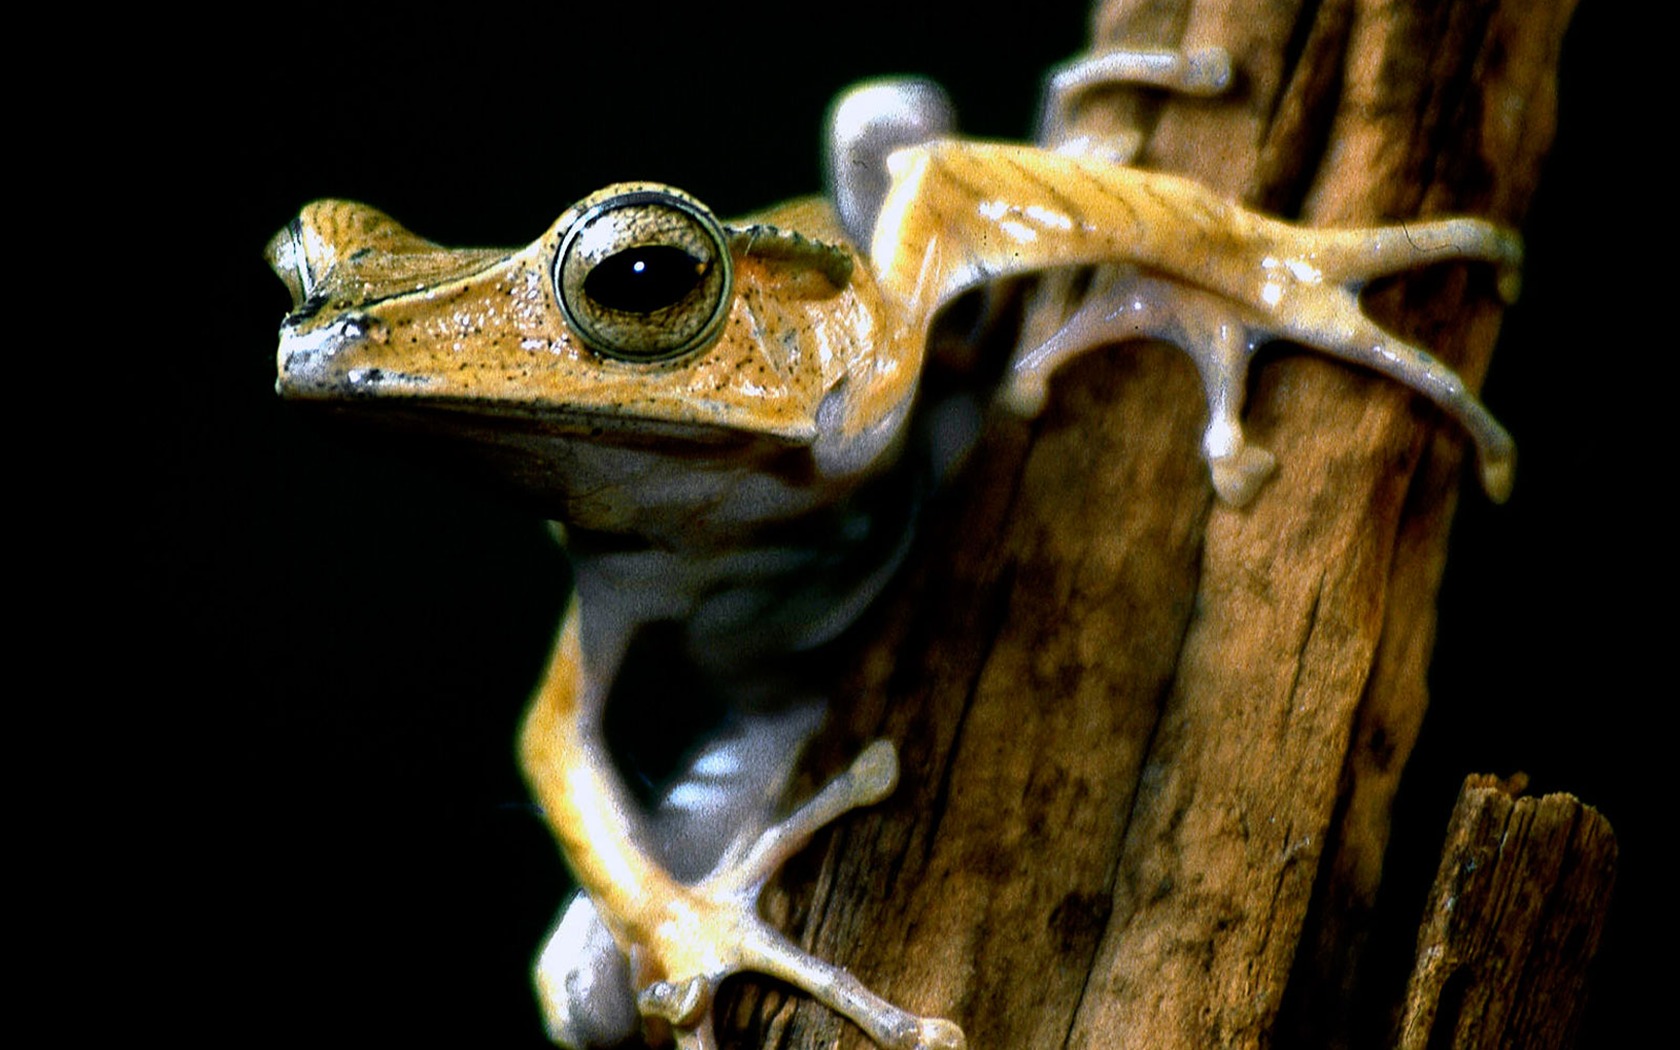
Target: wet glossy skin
{"x":706,"y":407}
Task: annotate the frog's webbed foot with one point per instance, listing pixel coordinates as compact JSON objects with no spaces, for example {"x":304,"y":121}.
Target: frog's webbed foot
{"x":1220,"y":341}
{"x":1313,"y":299}
{"x":711,"y":929}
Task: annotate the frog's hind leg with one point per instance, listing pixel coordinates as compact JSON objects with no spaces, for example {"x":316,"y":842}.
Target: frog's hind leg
{"x":742,"y":873}
{"x":723,"y":800}
{"x":1262,"y":279}
{"x":1312,"y":298}
{"x":680,"y":937}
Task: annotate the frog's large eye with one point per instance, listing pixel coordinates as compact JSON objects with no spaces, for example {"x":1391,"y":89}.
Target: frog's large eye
{"x":644,"y":274}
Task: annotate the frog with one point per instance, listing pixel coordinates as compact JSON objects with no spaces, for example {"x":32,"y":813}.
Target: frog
{"x":729,"y":424}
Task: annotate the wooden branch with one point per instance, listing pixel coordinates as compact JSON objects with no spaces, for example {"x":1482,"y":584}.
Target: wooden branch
{"x":1150,"y":742}
{"x":1513,"y":920}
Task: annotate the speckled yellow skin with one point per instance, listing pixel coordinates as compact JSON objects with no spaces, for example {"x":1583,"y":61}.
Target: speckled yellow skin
{"x":482,"y":327}
{"x":805,"y":392}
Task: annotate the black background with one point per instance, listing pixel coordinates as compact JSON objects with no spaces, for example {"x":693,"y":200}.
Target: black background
{"x":321,"y":814}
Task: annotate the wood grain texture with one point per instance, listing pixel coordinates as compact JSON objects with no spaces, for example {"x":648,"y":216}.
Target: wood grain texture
{"x":1513,"y":920}
{"x":1150,"y":742}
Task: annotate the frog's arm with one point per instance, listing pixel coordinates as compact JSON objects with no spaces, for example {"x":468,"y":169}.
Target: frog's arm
{"x":1214,"y":275}
{"x":682,"y":937}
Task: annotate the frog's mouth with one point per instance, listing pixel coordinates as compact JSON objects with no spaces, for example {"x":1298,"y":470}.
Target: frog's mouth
{"x":547,"y":438}
{"x":447,"y":416}
{"x":569,"y":465}
{"x":393,"y":400}
{"x":539,"y":441}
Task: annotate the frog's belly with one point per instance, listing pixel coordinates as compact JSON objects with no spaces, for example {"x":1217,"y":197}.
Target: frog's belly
{"x":788,"y":587}
{"x":682,"y":495}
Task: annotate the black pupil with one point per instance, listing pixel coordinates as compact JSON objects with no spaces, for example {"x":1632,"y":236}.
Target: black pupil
{"x":643,"y":279}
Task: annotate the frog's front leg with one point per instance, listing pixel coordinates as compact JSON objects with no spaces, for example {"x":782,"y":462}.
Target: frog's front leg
{"x":963,"y":213}
{"x":682,"y":938}
{"x":1309,"y":296}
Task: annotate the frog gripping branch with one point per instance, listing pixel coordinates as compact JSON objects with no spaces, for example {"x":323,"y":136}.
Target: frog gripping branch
{"x":719,"y":415}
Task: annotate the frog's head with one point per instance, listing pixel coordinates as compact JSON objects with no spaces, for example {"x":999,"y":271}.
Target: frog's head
{"x":636,"y":321}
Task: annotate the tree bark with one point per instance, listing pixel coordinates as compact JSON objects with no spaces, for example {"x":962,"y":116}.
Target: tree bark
{"x":1149,"y":741}
{"x":1513,"y":920}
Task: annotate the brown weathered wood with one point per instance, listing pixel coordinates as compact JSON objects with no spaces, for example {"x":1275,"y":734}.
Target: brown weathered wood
{"x":1513,"y":920}
{"x":1149,"y":741}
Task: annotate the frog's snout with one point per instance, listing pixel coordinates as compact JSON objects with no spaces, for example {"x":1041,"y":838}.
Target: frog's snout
{"x":326,"y":362}
{"x":286,"y":257}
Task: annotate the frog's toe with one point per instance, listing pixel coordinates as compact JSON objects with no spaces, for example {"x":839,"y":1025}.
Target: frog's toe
{"x":1024,"y":393}
{"x":1238,"y":476}
{"x":936,"y":1033}
{"x":1498,"y":471}
{"x":1510,"y":283}
{"x":583,"y":983}
{"x":683,"y":1004}
{"x":712,"y":929}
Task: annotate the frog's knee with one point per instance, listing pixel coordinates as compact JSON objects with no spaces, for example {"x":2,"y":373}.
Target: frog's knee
{"x":583,"y":983}
{"x":866,"y":124}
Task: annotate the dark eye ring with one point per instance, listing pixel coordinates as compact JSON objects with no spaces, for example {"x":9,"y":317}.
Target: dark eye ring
{"x":643,"y":273}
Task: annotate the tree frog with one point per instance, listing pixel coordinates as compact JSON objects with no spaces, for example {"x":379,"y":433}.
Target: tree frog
{"x":727,"y":420}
